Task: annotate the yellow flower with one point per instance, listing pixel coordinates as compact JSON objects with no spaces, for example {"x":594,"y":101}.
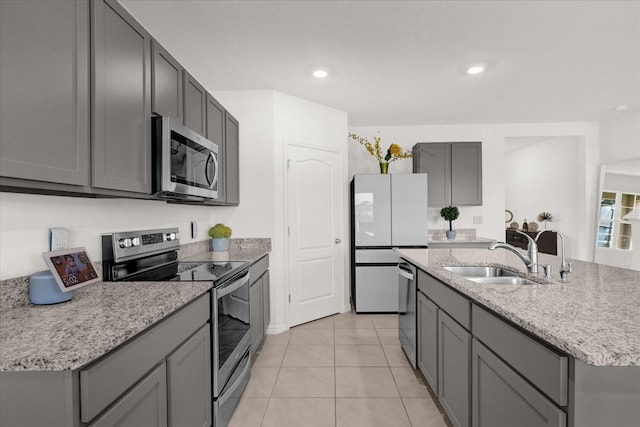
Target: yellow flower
{"x":395,"y":150}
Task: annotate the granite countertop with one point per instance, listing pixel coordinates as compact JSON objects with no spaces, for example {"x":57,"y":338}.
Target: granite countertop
{"x":233,"y":254}
{"x":595,"y":317}
{"x":460,"y":239}
{"x":99,"y":318}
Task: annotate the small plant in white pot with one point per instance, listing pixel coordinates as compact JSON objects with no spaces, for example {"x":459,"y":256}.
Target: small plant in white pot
{"x":450,"y":213}
{"x":220,"y":234}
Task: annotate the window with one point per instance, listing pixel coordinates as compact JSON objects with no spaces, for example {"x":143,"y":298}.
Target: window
{"x":613,"y":231}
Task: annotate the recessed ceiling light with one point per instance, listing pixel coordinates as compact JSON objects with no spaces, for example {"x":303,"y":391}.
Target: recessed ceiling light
{"x":621,"y":108}
{"x":320,"y":74}
{"x":475,"y":69}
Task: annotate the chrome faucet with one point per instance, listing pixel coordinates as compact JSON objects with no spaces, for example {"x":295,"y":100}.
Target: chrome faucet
{"x":565,"y":267}
{"x":530,"y":260}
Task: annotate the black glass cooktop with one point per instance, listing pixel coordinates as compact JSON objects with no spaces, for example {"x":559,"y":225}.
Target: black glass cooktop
{"x":207,"y":271}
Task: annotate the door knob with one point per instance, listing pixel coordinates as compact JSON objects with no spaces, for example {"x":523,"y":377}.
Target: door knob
{"x":338,"y":241}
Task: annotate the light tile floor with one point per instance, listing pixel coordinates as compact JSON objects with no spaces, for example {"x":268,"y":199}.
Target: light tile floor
{"x":345,"y":370}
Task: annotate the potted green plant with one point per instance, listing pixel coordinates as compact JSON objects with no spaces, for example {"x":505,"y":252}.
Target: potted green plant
{"x":220,"y":234}
{"x":450,"y":213}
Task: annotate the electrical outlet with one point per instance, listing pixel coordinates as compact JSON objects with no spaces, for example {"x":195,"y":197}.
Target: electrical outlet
{"x":58,"y":238}
{"x":435,"y":219}
{"x":477,"y":219}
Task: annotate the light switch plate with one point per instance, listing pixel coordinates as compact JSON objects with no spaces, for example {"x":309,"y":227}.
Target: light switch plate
{"x":477,"y":219}
{"x":58,"y":238}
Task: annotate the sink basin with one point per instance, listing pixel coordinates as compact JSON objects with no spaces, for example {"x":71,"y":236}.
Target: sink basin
{"x":480,"y":271}
{"x":502,"y":281}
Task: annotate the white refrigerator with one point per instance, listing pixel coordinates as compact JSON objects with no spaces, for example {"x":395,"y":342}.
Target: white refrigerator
{"x":387,"y":211}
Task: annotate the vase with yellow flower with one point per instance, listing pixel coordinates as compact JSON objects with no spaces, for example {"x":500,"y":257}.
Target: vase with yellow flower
{"x":394,"y":152}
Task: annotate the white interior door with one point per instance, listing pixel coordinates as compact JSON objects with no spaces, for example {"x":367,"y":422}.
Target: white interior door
{"x":315,"y":206}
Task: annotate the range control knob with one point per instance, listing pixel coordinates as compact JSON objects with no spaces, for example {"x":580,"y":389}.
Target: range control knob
{"x":170,"y":237}
{"x":135,"y":241}
{"x":125,"y":243}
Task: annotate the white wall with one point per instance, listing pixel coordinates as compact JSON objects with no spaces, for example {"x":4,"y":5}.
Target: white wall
{"x":530,"y":190}
{"x":267,"y":120}
{"x":493,"y":138}
{"x":620,"y":137}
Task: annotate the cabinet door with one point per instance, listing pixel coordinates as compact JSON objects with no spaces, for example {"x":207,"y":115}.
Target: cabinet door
{"x":194,"y":104}
{"x":256,"y":319}
{"x":466,"y":173}
{"x":435,"y":160}
{"x":121,"y":155}
{"x":502,"y":398}
{"x":428,"y":340}
{"x":144,"y":405}
{"x":454,"y":381}
{"x":44,"y":82}
{"x":216,"y":134}
{"x":232,"y":159}
{"x":166,"y":83}
{"x":189,"y":382}
{"x":266,"y":302}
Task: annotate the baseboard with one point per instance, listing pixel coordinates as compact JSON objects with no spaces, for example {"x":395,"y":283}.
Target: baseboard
{"x":276,"y":329}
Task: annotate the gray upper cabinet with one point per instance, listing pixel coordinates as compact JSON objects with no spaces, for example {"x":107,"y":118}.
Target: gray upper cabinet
{"x":44,"y":82}
{"x":121,"y":100}
{"x":435,"y":160}
{"x":466,"y":173}
{"x":232,"y":159}
{"x":455,"y":172}
{"x":166,"y":83}
{"x":216,"y":134}
{"x":195,"y":100}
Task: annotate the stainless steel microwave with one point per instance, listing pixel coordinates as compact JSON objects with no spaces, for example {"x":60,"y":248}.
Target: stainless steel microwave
{"x":185,"y":164}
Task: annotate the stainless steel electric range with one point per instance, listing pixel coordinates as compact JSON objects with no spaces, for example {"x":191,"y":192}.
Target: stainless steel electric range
{"x":151,"y":255}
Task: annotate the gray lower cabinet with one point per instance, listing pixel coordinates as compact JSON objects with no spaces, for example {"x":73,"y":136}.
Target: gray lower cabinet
{"x":189,"y":382}
{"x":144,"y":405}
{"x":166,"y":83}
{"x":454,"y":380}
{"x":44,"y":82}
{"x":195,"y":102}
{"x":259,"y":302}
{"x":162,"y":377}
{"x":428,"y":340}
{"x":121,"y":116}
{"x":501,"y":397}
{"x":455,"y":172}
{"x":256,"y":309}
{"x":232,"y":159}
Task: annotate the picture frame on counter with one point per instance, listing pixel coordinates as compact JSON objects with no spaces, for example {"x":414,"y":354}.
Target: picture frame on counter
{"x":71,"y":268}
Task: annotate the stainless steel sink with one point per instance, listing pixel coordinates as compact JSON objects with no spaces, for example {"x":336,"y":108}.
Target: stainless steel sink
{"x":480,"y":271}
{"x":502,"y":281}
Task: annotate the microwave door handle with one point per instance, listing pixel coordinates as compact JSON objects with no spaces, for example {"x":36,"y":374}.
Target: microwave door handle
{"x":234,"y":286}
{"x":211,"y":180}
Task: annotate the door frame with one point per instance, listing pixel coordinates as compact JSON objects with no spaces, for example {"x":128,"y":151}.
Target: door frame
{"x":287,"y":142}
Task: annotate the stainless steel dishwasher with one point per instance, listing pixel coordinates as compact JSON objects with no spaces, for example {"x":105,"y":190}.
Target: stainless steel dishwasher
{"x":407,"y":310}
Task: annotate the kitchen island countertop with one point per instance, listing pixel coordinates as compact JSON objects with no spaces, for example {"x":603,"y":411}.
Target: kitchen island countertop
{"x":595,"y":317}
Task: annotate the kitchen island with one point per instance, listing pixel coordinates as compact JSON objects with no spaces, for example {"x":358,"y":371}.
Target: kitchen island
{"x":588,"y":330}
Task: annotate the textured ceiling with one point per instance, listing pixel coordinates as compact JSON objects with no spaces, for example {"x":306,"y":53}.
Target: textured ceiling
{"x":403,"y":62}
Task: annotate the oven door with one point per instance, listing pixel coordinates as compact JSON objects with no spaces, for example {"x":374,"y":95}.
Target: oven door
{"x":188,"y":163}
{"x":231,"y":329}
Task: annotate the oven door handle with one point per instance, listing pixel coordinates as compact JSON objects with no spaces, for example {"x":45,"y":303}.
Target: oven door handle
{"x":233,"y":286}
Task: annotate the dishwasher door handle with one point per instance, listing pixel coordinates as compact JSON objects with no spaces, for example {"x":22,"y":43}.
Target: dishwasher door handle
{"x":406,"y":274}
